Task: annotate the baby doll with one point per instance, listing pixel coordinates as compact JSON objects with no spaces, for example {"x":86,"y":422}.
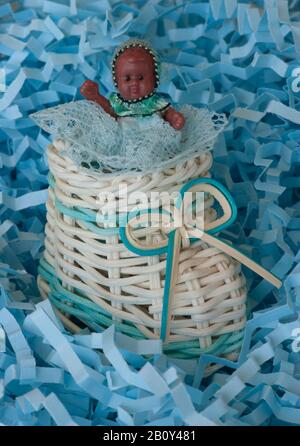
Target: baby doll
{"x":135,"y":129}
{"x":135,"y":74}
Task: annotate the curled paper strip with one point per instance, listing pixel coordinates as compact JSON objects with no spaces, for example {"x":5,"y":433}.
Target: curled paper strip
{"x":245,"y":68}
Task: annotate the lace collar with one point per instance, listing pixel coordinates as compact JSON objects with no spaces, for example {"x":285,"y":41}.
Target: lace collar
{"x":143,"y":107}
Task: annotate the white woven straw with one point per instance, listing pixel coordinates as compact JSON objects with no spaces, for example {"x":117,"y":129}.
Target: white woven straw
{"x":210,"y":292}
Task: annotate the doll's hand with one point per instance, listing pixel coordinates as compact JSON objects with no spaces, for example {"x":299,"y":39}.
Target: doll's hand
{"x":89,"y":89}
{"x":177,"y":121}
{"x":175,"y":118}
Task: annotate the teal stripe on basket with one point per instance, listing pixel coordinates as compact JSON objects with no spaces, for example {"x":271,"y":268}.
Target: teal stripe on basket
{"x":51,"y":180}
{"x":81,"y":305}
{"x":95,"y":317}
{"x":89,"y":217}
{"x":86,"y":215}
{"x":74,"y":212}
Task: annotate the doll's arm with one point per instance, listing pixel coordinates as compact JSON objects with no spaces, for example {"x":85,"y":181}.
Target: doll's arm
{"x":174,"y":118}
{"x":89,"y":90}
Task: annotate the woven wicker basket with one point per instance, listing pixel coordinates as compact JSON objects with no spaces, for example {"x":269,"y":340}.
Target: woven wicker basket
{"x":94,"y":280}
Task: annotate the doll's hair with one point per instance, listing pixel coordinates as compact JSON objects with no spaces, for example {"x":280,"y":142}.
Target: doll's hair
{"x":136,"y":43}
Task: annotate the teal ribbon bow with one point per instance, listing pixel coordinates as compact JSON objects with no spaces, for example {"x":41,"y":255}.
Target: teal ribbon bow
{"x":172,"y":245}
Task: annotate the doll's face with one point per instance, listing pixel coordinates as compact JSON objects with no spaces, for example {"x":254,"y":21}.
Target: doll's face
{"x":135,"y":75}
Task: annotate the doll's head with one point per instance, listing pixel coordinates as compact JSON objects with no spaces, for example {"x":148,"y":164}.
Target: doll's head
{"x":135,"y":71}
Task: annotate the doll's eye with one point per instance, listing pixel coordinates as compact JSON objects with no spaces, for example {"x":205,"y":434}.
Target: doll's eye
{"x":140,"y":77}
{"x":127,"y":78}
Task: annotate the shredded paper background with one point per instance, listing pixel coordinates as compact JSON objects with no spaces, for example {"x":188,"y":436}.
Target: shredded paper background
{"x":233,"y":56}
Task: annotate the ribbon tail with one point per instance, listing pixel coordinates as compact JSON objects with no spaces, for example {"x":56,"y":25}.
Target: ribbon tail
{"x":170,"y":282}
{"x":237,"y":255}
